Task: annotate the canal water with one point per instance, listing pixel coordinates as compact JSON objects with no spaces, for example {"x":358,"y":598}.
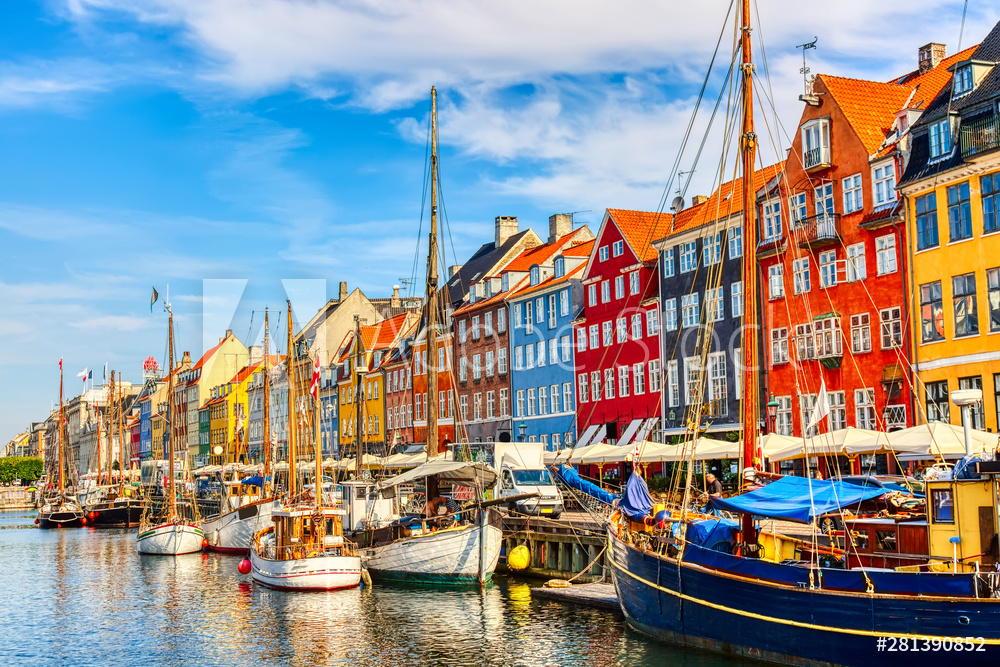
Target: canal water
{"x":85,"y":597}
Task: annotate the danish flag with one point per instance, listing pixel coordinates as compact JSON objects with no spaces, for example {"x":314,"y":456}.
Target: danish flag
{"x":314,"y":389}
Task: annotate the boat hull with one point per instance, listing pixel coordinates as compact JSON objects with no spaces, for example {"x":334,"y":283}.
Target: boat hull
{"x":170,"y":539}
{"x":698,"y":607}
{"x":123,"y":513}
{"x":316,"y":573}
{"x":233,"y":531}
{"x":450,"y":555}
{"x":63,"y":515}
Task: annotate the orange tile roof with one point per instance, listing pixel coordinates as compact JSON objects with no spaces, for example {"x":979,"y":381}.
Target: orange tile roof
{"x":552,"y":280}
{"x":539,"y":254}
{"x":726,"y":201}
{"x":641,"y":228}
{"x":580,"y":249}
{"x":930,"y":83}
{"x":208,"y":355}
{"x":869,"y":106}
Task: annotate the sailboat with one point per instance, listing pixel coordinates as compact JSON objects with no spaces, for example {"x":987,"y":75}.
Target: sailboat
{"x":164,"y":530}
{"x":113,"y":505}
{"x":754,"y":598}
{"x":61,"y":510}
{"x":458,"y":547}
{"x":304,"y":548}
{"x":248,"y":504}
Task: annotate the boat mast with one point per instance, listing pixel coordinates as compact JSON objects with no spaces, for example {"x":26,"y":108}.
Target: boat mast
{"x":748,"y":149}
{"x":431,"y":406}
{"x":358,"y":357}
{"x":121,"y":437}
{"x":100,"y":472}
{"x":267,"y":408}
{"x":111,"y":413}
{"x":291,"y":410}
{"x":318,"y":490}
{"x":62,"y":461}
{"x":172,"y":500}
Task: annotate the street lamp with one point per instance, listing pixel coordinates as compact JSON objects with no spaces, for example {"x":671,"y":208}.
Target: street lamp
{"x":965,"y":399}
{"x":772,"y":413}
{"x":521,"y":428}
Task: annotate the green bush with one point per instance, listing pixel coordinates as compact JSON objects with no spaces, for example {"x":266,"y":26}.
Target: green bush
{"x":25,"y":468}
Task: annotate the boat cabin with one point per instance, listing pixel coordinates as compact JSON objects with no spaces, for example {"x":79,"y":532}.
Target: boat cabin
{"x":886,"y":542}
{"x":962,"y":522}
{"x":298,"y":535}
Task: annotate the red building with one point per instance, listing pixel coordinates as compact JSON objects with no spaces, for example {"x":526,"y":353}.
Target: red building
{"x":618,"y":369}
{"x":833,"y":261}
{"x":398,"y":370}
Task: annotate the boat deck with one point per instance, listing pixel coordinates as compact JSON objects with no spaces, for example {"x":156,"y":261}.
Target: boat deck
{"x":599,"y":596}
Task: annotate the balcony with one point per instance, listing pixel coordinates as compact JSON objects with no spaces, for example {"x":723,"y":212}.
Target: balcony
{"x":816,"y":159}
{"x":980,"y":136}
{"x":819,"y":231}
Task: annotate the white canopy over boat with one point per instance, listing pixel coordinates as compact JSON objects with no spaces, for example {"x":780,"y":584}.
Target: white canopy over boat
{"x":848,"y":441}
{"x":464,"y":472}
{"x":938,"y":440}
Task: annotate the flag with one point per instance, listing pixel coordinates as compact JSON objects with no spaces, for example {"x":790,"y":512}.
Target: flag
{"x":60,"y":363}
{"x":90,"y":375}
{"x":105,"y":372}
{"x":152,"y":300}
{"x":82,"y":374}
{"x":314,"y":390}
{"x":822,"y":408}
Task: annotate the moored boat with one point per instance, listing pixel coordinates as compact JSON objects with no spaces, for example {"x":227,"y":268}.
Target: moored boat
{"x":171,"y":538}
{"x":61,"y":510}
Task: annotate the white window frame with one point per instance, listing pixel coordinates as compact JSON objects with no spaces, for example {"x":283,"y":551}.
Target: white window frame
{"x":776,"y":281}
{"x":801,"y":278}
{"x":861,"y":333}
{"x":856,"y":266}
{"x":853,"y":193}
{"x":885,"y":255}
{"x":883,"y":183}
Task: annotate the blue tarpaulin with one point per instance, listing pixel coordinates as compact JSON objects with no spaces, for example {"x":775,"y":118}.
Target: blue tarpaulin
{"x":572,"y":479}
{"x":636,"y":502}
{"x":711,"y":531}
{"x":798,"y":498}
{"x":256,"y":480}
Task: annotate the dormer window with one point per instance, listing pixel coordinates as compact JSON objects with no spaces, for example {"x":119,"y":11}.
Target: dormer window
{"x":939,"y":138}
{"x":560,"y":267}
{"x":535,"y":275}
{"x":816,"y":144}
{"x":963,"y":81}
{"x":486,"y":289}
{"x":504,"y":283}
{"x":472,"y":294}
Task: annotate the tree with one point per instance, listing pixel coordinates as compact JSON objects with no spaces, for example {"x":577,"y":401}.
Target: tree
{"x":25,"y":468}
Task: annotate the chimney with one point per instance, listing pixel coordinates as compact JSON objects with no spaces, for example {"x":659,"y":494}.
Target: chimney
{"x":560,"y":225}
{"x":930,"y":55}
{"x":698,"y":199}
{"x":453,"y":269}
{"x":229,"y":332}
{"x":506,"y":226}
{"x":256,"y":354}
{"x":343,"y":292}
{"x":394,"y":301}
{"x":186,"y":359}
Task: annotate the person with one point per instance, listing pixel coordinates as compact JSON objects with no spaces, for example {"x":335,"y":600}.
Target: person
{"x":817,"y":475}
{"x":436,"y":506}
{"x":714,"y":486}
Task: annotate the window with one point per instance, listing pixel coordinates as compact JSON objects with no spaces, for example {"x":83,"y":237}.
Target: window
{"x":861,"y":333}
{"x":566,"y":344}
{"x":964,"y":301}
{"x":977,"y":418}
{"x":539,"y":310}
{"x":461,"y":331}
{"x":534,"y":276}
{"x":892,"y":328}
{"x":931,"y":312}
{"x":503,"y":403}
{"x":927,"y":223}
{"x":736,"y":298}
{"x":735,"y":235}
{"x":595,"y":341}
{"x":519,"y":358}
{"x":717,"y":383}
{"x":617,"y":248}
{"x":543,"y":400}
{"x":689,"y":309}
{"x":670,"y":314}
{"x":776,"y":281}
{"x":609,"y":383}
{"x":692,"y":379}
{"x":715,"y":308}
{"x":581,"y":381}
{"x":477,"y":407}
{"x":463,"y":369}
{"x":783,"y":418}
{"x":801,"y":282}
{"x":529,"y":356}
{"x":993,"y":297}
{"x":638,"y":379}
{"x":823,"y":200}
{"x":559,"y":267}
{"x":556,"y":442}
{"x":564,"y":303}
{"x":815,"y":143}
{"x":711,"y":250}
{"x":668,"y":263}
{"x":828,"y":268}
{"x":605,"y":291}
{"x":962,"y":82}
{"x":501,"y":320}
{"x":853,"y":193}
{"x":475,"y":327}
{"x":488,"y":323}
{"x":606,"y":333}
{"x":529,"y":325}
{"x":864,"y":408}
{"x":805,"y":346}
{"x":463,"y":407}
{"x":689,"y":257}
{"x":797,"y":204}
{"x":959,"y":212}
{"x":779,"y":345}
{"x":502,"y":361}
{"x":941,"y":506}
{"x":636,"y":326}
{"x":652,"y":322}
{"x":838,"y":410}
{"x":595,"y":385}
{"x":857,"y":269}
{"x":989,"y":187}
{"x":633,"y":282}
{"x":532,"y":405}
{"x":554,"y":399}
{"x":489,"y":363}
{"x":592,"y":295}
{"x":884,"y":183}
{"x":552,"y":311}
{"x":519,"y":409}
{"x":939,"y":138}
{"x":581,"y":339}
{"x":518,"y":322}
{"x":885,"y":254}
{"x":828,"y":338}
{"x":623,"y":381}
{"x":619,"y":287}
{"x":937,"y":401}
{"x":540,"y":356}
{"x":807,"y":403}
{"x":491,"y":404}
{"x":673,"y":382}
{"x":772,"y":219}
{"x":567,"y":396}
{"x":602,"y":253}
{"x":738,"y":372}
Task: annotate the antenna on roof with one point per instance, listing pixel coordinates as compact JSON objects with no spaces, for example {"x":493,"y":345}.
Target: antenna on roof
{"x":680,"y":175}
{"x":677,"y":204}
{"x":572,"y":215}
{"x":807,"y":95}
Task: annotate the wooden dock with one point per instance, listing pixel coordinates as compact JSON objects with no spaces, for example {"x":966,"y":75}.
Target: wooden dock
{"x":599,"y":596}
{"x":560,"y":549}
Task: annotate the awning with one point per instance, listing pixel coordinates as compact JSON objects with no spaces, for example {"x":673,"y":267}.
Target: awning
{"x":798,"y":498}
{"x":646,"y":429}
{"x":630,"y":431}
{"x":587,"y":436}
{"x":464,"y":472}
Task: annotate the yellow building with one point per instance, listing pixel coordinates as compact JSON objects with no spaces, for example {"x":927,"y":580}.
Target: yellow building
{"x":951,"y":187}
{"x":229,"y":415}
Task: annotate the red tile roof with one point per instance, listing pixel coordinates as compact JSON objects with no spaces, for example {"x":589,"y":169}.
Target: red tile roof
{"x":580,"y":249}
{"x":552,"y":280}
{"x":930,"y":83}
{"x":869,"y":106}
{"x":726,"y":201}
{"x":539,"y":254}
{"x":641,"y":228}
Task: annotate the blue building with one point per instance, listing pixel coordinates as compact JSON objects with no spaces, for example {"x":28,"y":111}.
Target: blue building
{"x":145,"y":403}
{"x":541,"y":341}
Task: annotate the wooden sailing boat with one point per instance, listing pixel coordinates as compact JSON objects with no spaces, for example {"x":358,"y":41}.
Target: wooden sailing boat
{"x":305,"y":548}
{"x":114,"y":505}
{"x":458,"y":547}
{"x":168,"y":532}
{"x":245,"y":512}
{"x":62,"y":510}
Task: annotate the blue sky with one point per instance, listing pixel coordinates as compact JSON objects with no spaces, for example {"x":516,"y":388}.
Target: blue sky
{"x":156,"y":142}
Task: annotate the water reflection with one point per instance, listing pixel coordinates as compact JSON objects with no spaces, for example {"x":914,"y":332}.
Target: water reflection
{"x":81,"y":596}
